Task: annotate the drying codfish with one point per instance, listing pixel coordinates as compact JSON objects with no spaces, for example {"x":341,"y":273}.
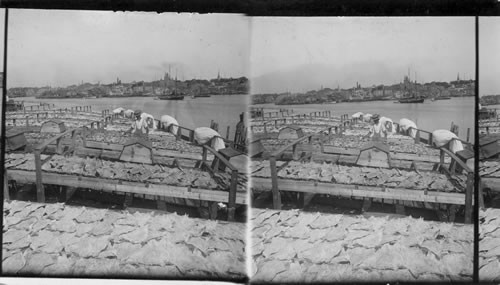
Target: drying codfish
{"x":364,"y":176}
{"x":92,"y":167}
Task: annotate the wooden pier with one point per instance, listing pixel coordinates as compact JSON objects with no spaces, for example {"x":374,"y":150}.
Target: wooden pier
{"x":75,"y":141}
{"x":314,"y":147}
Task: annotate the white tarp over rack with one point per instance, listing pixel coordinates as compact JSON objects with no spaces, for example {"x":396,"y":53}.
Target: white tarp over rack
{"x":129,"y":113}
{"x":118,"y":110}
{"x":388,"y":124}
{"x":203,"y":134}
{"x":150,"y":120}
{"x":167,"y":120}
{"x":406,"y":124}
{"x":357,"y":115}
{"x":442,"y":137}
{"x":367,"y":117}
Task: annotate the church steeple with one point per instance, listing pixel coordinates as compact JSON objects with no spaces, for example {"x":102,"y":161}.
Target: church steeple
{"x":218,"y":75}
{"x":458,"y":76}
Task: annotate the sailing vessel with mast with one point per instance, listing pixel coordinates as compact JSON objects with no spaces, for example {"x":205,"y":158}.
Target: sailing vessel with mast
{"x":411,"y":94}
{"x":174,"y":95}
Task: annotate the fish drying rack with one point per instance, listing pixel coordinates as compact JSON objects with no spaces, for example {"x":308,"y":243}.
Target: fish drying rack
{"x":73,"y":141}
{"x":299,"y":151}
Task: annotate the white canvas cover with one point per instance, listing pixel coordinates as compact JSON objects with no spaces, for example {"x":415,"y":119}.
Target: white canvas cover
{"x":357,"y":115}
{"x":167,"y":120}
{"x":129,"y":113}
{"x":203,"y":134}
{"x":388,"y":124}
{"x":367,"y":117}
{"x":118,"y":110}
{"x":442,"y":137}
{"x":405,"y":124}
{"x":149,"y":119}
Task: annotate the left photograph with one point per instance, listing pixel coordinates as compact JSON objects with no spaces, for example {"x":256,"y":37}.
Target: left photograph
{"x":126,"y":145}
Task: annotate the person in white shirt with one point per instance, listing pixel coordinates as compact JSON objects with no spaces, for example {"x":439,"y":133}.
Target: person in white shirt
{"x":139,"y":126}
{"x":377,"y":129}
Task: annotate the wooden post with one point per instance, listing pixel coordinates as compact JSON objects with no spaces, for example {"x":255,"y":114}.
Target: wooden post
{"x":27,"y":122}
{"x":191,"y":136}
{"x":468,"y":197}
{"x":227,"y":133}
{"x":468,"y":134}
{"x":204,"y":156}
{"x":480,"y":195}
{"x":178,"y":135}
{"x":274,"y":180}
{"x":430,"y":139}
{"x":417,"y":136}
{"x":232,"y":196}
{"x":40,"y":192}
{"x":6,"y":195}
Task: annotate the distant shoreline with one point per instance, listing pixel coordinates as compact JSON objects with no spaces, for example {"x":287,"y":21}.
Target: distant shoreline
{"x":342,"y":101}
{"x":124,"y":96}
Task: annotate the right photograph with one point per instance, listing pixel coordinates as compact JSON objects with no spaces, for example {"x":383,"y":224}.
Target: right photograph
{"x":362,"y":155}
{"x":489,"y":149}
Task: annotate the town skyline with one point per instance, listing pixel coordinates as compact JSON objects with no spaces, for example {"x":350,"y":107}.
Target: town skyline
{"x":350,"y":81}
{"x":135,"y":81}
{"x":101,"y":45}
{"x":302,"y":53}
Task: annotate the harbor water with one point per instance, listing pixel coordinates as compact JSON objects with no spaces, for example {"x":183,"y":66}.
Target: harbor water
{"x":190,"y":112}
{"x":429,"y":116}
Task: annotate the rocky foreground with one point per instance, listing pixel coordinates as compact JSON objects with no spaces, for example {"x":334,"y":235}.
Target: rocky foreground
{"x":295,"y":246}
{"x":54,"y":239}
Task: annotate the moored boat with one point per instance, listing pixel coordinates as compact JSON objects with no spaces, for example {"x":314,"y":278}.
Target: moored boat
{"x":443,"y":98}
{"x":172,"y":96}
{"x":411,"y":100}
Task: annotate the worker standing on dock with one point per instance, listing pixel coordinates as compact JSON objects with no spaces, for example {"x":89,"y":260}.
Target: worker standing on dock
{"x":139,"y":126}
{"x":377,"y":129}
{"x":239,"y":133}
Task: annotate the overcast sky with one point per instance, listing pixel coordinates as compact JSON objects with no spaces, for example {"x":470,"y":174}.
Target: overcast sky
{"x":299,"y":54}
{"x":2,"y":30}
{"x":61,"y":48}
{"x":489,"y":55}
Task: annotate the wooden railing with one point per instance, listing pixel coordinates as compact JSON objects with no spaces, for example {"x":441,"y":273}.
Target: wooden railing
{"x":458,"y":166}
{"x":214,"y":168}
{"x":426,"y":137}
{"x":40,"y":193}
{"x":274,"y":170}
